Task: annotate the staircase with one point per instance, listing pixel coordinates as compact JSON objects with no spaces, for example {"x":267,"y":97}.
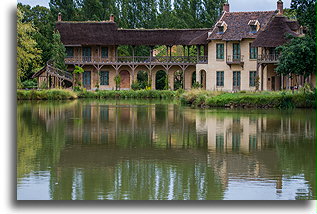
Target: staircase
{"x":60,"y":74}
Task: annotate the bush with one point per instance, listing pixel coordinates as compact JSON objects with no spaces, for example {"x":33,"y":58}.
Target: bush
{"x":53,"y":94}
{"x":283,"y":100}
{"x":29,"y":84}
{"x":135,"y":86}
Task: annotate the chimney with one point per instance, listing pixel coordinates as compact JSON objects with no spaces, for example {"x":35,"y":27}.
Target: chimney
{"x":111,"y":18}
{"x":59,"y":17}
{"x":226,"y":7}
{"x":280,"y":6}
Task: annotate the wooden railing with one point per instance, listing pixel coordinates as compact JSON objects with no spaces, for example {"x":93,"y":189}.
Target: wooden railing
{"x":139,"y":59}
{"x":57,"y":72}
{"x":268,"y":57}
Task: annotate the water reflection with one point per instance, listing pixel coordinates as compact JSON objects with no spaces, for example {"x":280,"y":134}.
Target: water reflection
{"x":160,"y":150}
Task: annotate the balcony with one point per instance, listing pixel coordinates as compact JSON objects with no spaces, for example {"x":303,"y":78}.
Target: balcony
{"x":268,"y":58}
{"x":155,"y":60}
{"x":235,"y":60}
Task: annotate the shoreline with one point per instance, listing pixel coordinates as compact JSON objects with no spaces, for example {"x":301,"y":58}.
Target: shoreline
{"x":195,"y":98}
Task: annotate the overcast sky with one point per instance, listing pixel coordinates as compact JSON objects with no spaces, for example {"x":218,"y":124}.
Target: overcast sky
{"x":235,"y":5}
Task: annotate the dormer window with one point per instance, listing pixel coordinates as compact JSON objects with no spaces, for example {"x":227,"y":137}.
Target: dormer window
{"x":222,"y":27}
{"x":254,"y":26}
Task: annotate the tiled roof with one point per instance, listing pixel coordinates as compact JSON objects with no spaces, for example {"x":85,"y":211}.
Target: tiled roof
{"x":238,"y":27}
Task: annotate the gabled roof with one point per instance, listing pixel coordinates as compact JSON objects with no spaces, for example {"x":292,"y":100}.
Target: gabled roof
{"x":238,"y":27}
{"x":107,"y":33}
{"x":276,"y":31}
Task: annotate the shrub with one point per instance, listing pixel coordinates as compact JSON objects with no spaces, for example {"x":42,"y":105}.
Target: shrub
{"x":53,"y":94}
{"x":29,"y":84}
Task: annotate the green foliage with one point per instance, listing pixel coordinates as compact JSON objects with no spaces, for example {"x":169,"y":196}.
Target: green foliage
{"x":142,"y":79}
{"x":28,"y":55}
{"x":52,"y":94}
{"x":117,"y":80}
{"x":58,"y":52}
{"x":306,"y":14}
{"x":283,"y":100}
{"x":135,"y":85}
{"x":197,"y":85}
{"x":43,"y":21}
{"x":77,"y":71}
{"x":104,"y":94}
{"x":297,"y":57}
{"x":29,"y":84}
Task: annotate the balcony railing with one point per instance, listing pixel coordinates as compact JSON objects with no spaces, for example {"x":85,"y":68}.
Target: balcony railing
{"x":235,"y":59}
{"x":139,"y":60}
{"x":273,"y":58}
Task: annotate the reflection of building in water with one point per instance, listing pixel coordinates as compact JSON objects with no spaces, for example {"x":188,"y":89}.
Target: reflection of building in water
{"x":123,"y":124}
{"x":250,"y":132}
{"x":230,"y":135}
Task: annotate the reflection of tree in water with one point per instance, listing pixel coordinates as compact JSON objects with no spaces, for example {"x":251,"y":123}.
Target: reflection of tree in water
{"x":99,"y":150}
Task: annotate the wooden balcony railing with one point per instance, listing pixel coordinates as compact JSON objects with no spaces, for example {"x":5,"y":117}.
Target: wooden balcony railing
{"x":139,"y":60}
{"x":273,"y":58}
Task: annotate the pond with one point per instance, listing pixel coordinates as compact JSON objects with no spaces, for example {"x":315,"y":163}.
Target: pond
{"x":160,"y":150}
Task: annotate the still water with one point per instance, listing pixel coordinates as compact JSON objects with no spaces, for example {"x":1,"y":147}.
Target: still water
{"x":159,"y":150}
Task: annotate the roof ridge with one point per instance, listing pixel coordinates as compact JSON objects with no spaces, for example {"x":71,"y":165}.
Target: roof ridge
{"x":157,"y":29}
{"x":264,"y":11}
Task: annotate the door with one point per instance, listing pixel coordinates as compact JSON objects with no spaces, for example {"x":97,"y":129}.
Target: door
{"x":236,"y":52}
{"x":125,"y":80}
{"x":236,"y":80}
{"x":273,"y":83}
{"x":87,"y":79}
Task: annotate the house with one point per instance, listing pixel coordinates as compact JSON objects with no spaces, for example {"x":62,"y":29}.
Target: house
{"x":237,"y":53}
{"x":241,"y":47}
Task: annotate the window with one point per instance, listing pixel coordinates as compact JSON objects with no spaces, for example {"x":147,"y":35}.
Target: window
{"x":86,"y":52}
{"x":220,"y":51}
{"x":252,"y":78}
{"x":236,"y":51}
{"x":104,"y":52}
{"x":253,"y":28}
{"x":220,"y":29}
{"x":253,"y":52}
{"x":104,"y":77}
{"x":69,"y":51}
{"x":220,"y":78}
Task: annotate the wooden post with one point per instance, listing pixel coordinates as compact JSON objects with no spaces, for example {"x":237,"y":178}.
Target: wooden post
{"x":133,"y":53}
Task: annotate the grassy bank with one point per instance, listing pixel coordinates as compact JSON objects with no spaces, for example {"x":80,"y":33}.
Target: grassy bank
{"x":52,"y":94}
{"x":195,"y":98}
{"x":58,"y":94}
{"x":128,"y":94}
{"x":284,"y":99}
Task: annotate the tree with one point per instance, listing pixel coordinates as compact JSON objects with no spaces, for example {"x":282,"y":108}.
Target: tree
{"x":66,"y":7}
{"x":28,"y":55}
{"x":41,"y":19}
{"x":297,"y":57}
{"x":306,"y":14}
{"x":58,"y":52}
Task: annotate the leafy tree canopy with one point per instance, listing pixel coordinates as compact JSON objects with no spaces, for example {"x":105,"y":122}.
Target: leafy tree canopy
{"x":297,"y":57}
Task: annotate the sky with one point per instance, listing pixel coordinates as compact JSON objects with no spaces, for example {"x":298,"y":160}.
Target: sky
{"x":235,"y":5}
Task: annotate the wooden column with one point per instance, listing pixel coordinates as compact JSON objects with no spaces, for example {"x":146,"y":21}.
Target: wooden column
{"x":133,"y":53}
